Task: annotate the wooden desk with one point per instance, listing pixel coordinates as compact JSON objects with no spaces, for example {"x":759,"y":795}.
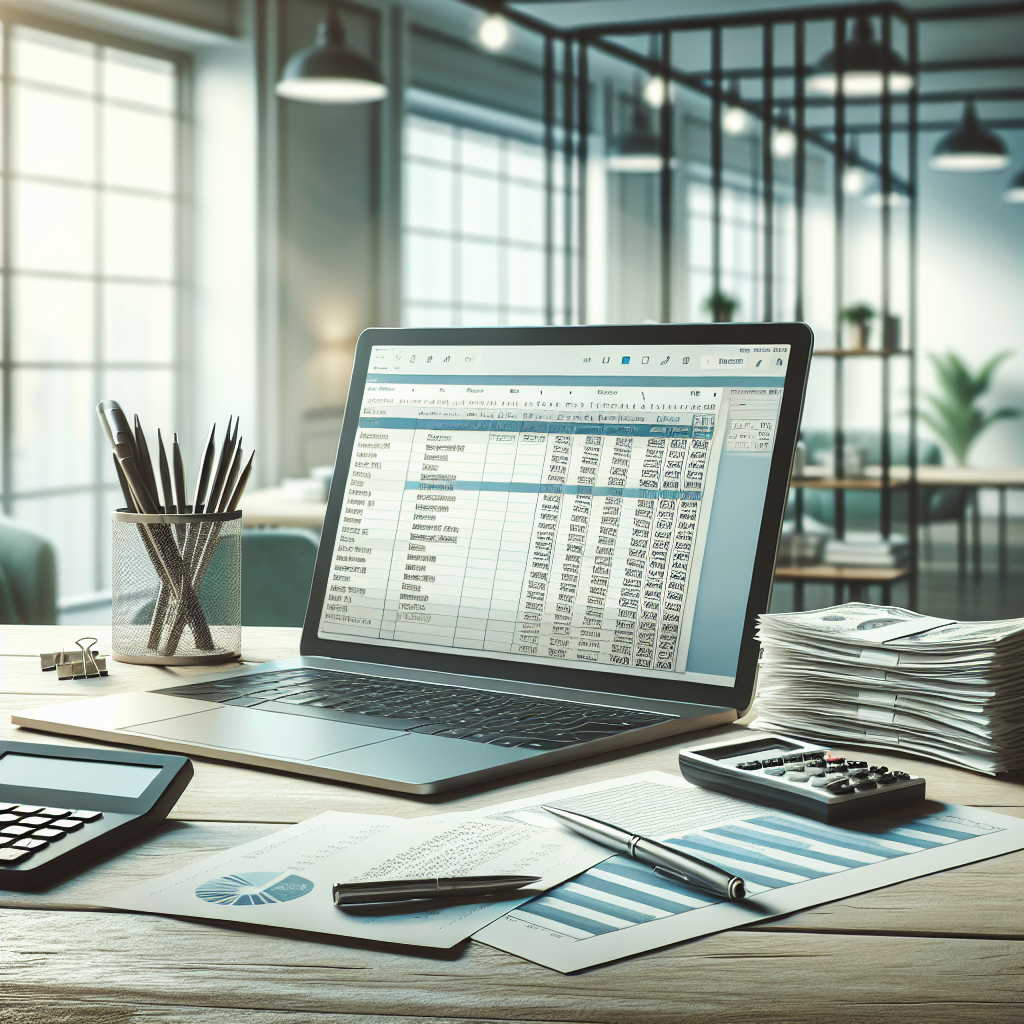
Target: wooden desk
{"x":943,"y":948}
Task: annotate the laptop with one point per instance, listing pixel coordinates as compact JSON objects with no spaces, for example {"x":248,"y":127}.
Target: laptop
{"x":541,"y":543}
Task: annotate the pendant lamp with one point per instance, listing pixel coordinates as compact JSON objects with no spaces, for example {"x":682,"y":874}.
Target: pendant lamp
{"x":735,"y":119}
{"x":638,"y":151}
{"x":866,"y":63}
{"x":329,"y":72}
{"x":970,"y":147}
{"x":1015,"y":191}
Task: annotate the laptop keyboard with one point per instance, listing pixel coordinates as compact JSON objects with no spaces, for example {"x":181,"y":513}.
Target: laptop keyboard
{"x":505,"y":720}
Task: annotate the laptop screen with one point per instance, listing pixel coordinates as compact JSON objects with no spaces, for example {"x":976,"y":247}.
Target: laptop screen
{"x":588,"y":506}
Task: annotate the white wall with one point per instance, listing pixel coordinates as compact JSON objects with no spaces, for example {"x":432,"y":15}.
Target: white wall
{"x":972,"y":288}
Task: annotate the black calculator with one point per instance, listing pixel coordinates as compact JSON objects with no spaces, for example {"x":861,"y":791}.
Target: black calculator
{"x":804,"y":778}
{"x":61,"y":807}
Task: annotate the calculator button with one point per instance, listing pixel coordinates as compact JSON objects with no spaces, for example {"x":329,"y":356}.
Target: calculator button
{"x":834,"y":759}
{"x":814,"y":763}
{"x":35,"y":821}
{"x":859,"y":773}
{"x":86,"y":815}
{"x":794,"y":769}
{"x":13,"y":856}
{"x":775,"y":771}
{"x":793,"y":759}
{"x":9,"y":819}
{"x":797,"y":777}
{"x":30,"y":844}
{"x":856,"y":764}
{"x":878,"y":769}
{"x":836,"y":769}
{"x":49,"y":834}
{"x":820,"y":780}
{"x":887,"y":780}
{"x":67,"y":825}
{"x":814,"y":755}
{"x":55,"y":812}
{"x":841,"y":790}
{"x":772,"y":762}
{"x":15,"y":830}
{"x":862,"y":786}
{"x":900,"y":776}
{"x":26,"y":809}
{"x":816,"y":773}
{"x":749,"y":766}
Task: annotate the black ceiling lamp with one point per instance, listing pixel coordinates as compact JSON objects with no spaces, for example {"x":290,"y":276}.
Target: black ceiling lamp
{"x":329,"y":72}
{"x":970,"y":147}
{"x":1015,"y":190}
{"x":638,"y":151}
{"x":866,"y":64}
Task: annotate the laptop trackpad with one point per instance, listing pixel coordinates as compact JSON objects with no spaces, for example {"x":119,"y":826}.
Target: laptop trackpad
{"x":257,"y":732}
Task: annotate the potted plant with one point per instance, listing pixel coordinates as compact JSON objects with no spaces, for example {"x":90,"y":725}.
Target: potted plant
{"x":859,"y":317}
{"x":954,"y":415}
{"x":720,"y":307}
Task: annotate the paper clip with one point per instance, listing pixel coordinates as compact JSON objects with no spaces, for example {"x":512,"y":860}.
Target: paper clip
{"x":84,"y":663}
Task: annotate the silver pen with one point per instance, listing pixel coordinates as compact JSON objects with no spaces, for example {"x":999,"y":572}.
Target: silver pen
{"x":666,"y":860}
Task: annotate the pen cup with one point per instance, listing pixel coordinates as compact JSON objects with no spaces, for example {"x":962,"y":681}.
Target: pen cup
{"x":176,"y":588}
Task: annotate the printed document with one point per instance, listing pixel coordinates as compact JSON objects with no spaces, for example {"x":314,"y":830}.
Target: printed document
{"x":621,"y":907}
{"x":284,"y":880}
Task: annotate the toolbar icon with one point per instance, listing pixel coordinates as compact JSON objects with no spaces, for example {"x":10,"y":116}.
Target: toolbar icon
{"x":625,"y":360}
{"x":665,"y":360}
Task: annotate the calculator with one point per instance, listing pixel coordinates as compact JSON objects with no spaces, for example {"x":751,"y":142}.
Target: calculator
{"x":804,"y":778}
{"x":61,"y":807}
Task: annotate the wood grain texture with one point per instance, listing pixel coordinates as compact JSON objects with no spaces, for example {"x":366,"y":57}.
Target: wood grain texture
{"x":941,"y":948}
{"x":737,"y":976}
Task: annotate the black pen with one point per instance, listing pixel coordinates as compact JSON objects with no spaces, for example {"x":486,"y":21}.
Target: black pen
{"x":666,"y":860}
{"x":353,"y":893}
{"x":165,"y":475}
{"x":144,"y":464}
{"x":205,"y":466}
{"x":180,"y":497}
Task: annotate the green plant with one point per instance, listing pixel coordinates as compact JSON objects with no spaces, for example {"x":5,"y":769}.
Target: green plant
{"x":955,"y":417}
{"x":720,"y":307}
{"x":860,"y":314}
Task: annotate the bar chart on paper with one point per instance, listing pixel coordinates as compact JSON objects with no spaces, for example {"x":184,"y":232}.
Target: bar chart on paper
{"x":621,"y":907}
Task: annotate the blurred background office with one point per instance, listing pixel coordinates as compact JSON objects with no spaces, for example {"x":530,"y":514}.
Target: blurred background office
{"x":178,"y":236}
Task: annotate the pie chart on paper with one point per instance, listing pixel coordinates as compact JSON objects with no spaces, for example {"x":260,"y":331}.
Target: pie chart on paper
{"x":254,"y":888}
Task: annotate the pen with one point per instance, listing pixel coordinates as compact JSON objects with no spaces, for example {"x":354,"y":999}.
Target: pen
{"x":144,"y":464}
{"x":180,"y":498}
{"x":165,"y":476}
{"x":199,"y":498}
{"x":666,"y":860}
{"x":352,"y":893}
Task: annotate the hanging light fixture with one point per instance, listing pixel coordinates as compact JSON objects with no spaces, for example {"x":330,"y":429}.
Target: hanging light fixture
{"x":1015,"y":190}
{"x":655,"y":92}
{"x":855,"y":180}
{"x":329,"y":72}
{"x":783,"y":142}
{"x":494,"y":32}
{"x":970,"y":147}
{"x":638,"y":151}
{"x":735,"y":119}
{"x":866,"y":63}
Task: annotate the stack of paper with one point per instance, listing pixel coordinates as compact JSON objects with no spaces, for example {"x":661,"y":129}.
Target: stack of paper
{"x":868,"y":549}
{"x":897,"y":680}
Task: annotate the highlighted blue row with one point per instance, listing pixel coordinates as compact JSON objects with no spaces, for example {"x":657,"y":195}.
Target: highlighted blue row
{"x":516,"y":487}
{"x":703,"y":429}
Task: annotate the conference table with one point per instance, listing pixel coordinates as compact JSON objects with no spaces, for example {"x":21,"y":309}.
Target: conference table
{"x":946,"y":947}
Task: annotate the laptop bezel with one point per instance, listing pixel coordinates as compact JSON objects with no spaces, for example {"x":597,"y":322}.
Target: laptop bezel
{"x":797,"y":336}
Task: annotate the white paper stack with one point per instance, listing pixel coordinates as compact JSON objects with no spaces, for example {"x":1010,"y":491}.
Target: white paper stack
{"x":896,"y":680}
{"x":868,"y":549}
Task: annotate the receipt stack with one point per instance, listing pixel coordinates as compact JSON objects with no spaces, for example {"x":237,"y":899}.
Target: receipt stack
{"x":894,"y":679}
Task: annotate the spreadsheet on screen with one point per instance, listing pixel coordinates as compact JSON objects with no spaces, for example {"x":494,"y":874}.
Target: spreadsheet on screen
{"x":557,"y":504}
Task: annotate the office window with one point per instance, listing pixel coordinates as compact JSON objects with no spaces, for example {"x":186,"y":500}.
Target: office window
{"x":474,"y":227}
{"x":91,"y":280}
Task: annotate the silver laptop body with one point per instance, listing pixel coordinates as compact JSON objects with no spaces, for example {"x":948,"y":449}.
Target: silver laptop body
{"x":540,"y":544}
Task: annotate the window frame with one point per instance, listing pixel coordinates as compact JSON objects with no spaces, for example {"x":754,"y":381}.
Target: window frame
{"x":181,"y":197}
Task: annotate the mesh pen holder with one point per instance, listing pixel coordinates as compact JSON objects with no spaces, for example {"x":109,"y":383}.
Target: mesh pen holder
{"x":176,"y":588}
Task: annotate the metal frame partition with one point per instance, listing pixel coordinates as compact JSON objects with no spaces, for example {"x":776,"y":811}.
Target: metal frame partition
{"x":783,"y":92}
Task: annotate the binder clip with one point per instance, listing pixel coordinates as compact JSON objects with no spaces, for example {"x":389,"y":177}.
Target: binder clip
{"x":84,"y":663}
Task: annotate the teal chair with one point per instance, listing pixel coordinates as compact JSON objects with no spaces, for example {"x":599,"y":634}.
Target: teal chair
{"x":28,"y":576}
{"x":277,"y":571}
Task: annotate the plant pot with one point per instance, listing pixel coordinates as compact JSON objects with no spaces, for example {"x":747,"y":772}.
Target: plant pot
{"x":857,"y":336}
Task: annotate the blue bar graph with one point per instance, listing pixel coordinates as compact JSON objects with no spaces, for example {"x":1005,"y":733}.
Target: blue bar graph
{"x":592,"y":904}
